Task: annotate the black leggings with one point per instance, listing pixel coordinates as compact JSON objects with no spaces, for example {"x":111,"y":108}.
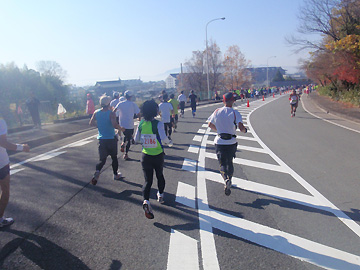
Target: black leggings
{"x":168,"y":130}
{"x":225,"y":155}
{"x":128,"y":133}
{"x":108,"y":148}
{"x":149,"y":164}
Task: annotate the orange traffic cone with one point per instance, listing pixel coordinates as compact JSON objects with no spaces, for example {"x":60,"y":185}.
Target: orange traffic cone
{"x":263,"y":98}
{"x":248,"y":104}
{"x":274,"y":94}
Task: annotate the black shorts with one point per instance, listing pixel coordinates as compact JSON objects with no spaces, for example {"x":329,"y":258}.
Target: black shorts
{"x":107,"y":147}
{"x":176,"y":118}
{"x":128,"y":133}
{"x":4,"y":171}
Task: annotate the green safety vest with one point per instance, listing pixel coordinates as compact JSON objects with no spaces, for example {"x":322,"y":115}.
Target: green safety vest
{"x":150,"y":127}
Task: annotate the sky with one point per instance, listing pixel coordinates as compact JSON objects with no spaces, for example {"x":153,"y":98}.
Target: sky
{"x":110,"y":39}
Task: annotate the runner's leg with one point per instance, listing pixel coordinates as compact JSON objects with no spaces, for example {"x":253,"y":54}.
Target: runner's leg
{"x":5,"y":193}
{"x":159,"y":165}
{"x":148,"y":171}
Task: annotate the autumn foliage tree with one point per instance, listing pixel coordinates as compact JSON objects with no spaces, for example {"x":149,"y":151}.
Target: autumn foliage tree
{"x":236,"y":74}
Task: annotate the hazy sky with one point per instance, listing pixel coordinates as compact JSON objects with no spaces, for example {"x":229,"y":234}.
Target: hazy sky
{"x":105,"y":40}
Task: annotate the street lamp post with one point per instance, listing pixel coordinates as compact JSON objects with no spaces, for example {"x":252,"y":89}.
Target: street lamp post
{"x":207,"y":56}
{"x":267,"y":70}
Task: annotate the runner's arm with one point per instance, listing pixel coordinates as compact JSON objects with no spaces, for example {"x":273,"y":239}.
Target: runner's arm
{"x":212,"y":126}
{"x":114,"y":123}
{"x":11,"y":146}
{"x":93,"y":121}
{"x":242,"y":128}
{"x":161,"y":132}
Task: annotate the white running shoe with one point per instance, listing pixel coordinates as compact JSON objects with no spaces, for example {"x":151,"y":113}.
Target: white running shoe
{"x":160,"y":197}
{"x":118,"y":176}
{"x":148,"y":211}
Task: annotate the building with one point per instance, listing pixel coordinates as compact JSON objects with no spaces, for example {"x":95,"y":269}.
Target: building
{"x":261,"y":74}
{"x":172,"y":81}
{"x":109,"y":87}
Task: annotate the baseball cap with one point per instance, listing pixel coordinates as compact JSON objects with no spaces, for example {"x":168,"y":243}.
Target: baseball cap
{"x":228,"y":97}
{"x":116,"y":94}
{"x":105,"y":100}
{"x":128,"y":93}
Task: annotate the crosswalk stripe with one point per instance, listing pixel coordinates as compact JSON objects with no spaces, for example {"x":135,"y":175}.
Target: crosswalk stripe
{"x":185,"y":194}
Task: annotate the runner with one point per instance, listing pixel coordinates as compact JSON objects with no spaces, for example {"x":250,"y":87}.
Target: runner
{"x":105,"y":120}
{"x":175,"y":104}
{"x":5,"y":171}
{"x":166,"y":110}
{"x":294,"y":98}
{"x":193,"y":100}
{"x":225,"y":121}
{"x":182,"y":101}
{"x":127,"y":111}
{"x":151,"y":134}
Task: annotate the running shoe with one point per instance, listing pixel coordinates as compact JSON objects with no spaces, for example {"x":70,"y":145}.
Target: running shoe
{"x":126,"y":157}
{"x":227,"y":187}
{"x":6,"y":222}
{"x":148,"y":211}
{"x":118,"y":176}
{"x":132,"y":141}
{"x":160,"y":197}
{"x":122,"y":147}
{"x":95,"y":178}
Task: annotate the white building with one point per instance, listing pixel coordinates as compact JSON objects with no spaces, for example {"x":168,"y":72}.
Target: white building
{"x":171,"y":81}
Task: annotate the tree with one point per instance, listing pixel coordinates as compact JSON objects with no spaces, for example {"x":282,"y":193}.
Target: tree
{"x":236,"y":74}
{"x":215,"y":66}
{"x":51,"y":68}
{"x":278,"y":77}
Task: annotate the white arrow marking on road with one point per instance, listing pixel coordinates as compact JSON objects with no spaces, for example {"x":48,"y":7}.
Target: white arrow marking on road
{"x":183,"y":252}
{"x":48,"y":156}
{"x":185,"y":194}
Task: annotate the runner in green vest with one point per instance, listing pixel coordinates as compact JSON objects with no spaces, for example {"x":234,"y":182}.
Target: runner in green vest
{"x":151,"y":134}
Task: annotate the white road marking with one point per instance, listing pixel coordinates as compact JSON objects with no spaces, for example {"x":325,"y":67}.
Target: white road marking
{"x":52,"y":151}
{"x":245,"y":138}
{"x":201,"y":131}
{"x":292,"y":245}
{"x":48,"y":156}
{"x":336,"y":124}
{"x":12,"y":172}
{"x":208,"y":248}
{"x":252,"y":163}
{"x":205,"y":125}
{"x":252,"y":149}
{"x":185,"y":194}
{"x":81,"y":143}
{"x":197,"y":138}
{"x":183,"y":252}
{"x":189,"y":165}
{"x":194,"y":149}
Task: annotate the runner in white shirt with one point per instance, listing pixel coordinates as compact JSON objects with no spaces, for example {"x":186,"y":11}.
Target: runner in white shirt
{"x":182,"y":101}
{"x":127,"y":111}
{"x":225,"y":121}
{"x":166,"y":110}
{"x":5,"y":171}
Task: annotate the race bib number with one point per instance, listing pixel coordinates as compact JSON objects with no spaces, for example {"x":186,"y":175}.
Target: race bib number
{"x":149,"y":140}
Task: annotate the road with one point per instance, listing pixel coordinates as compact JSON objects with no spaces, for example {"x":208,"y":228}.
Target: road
{"x":294,"y":204}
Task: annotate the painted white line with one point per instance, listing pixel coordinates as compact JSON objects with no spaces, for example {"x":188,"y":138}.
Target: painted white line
{"x":48,"y":156}
{"x":267,"y":190}
{"x":81,"y":143}
{"x":205,"y":125}
{"x":357,"y":131}
{"x":12,"y":172}
{"x":52,"y":151}
{"x":201,"y":131}
{"x":183,"y":252}
{"x":211,"y":133}
{"x":292,"y":245}
{"x":351,"y":224}
{"x":194,"y":149}
{"x":252,"y":149}
{"x":185,"y":194}
{"x":252,"y":163}
{"x":246,"y":138}
{"x":208,"y":248}
{"x":189,"y":165}
{"x":197,"y":138}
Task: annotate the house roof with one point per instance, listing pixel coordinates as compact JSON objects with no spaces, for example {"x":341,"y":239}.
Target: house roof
{"x":105,"y":84}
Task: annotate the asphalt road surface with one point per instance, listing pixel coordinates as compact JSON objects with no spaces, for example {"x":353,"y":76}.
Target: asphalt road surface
{"x":294,"y":202}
